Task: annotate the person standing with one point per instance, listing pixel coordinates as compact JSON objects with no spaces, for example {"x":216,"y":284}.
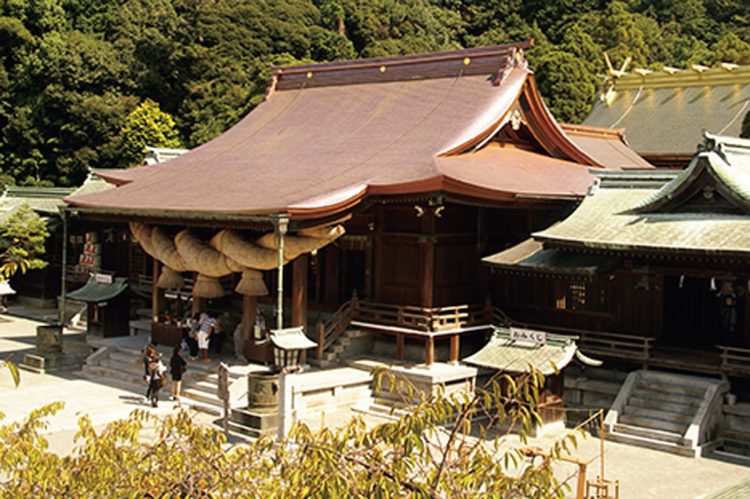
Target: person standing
{"x":155,"y":373}
{"x":177,"y":367}
{"x":150,"y":355}
{"x":206,"y":328}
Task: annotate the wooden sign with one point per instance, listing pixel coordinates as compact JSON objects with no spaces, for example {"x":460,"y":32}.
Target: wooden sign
{"x":103,"y":278}
{"x":528,"y":336}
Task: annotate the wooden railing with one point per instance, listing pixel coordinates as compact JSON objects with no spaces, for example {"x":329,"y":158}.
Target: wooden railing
{"x":417,"y":319}
{"x":734,"y":358}
{"x":423,"y":318}
{"x":328,"y":332}
{"x":595,"y":342}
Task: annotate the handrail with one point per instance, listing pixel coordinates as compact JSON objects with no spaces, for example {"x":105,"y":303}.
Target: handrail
{"x":328,"y":332}
{"x":734,"y":358}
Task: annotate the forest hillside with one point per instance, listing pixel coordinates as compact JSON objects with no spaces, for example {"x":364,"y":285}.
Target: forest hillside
{"x":87,"y":83}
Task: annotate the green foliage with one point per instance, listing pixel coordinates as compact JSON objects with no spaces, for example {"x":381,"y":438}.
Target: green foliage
{"x":447,"y":446}
{"x":71,"y":71}
{"x":22,"y":242}
{"x":146,"y":125}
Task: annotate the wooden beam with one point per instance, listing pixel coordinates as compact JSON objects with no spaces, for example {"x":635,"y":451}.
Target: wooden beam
{"x":429,"y":351}
{"x":400,"y":347}
{"x":455,"y":348}
{"x":299,"y":290}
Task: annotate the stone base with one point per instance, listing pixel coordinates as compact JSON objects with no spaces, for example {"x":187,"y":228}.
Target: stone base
{"x":50,"y":362}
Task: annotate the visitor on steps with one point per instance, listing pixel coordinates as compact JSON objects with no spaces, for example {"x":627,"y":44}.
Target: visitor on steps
{"x":156,"y":377}
{"x":150,"y":354}
{"x":177,"y":367}
{"x":206,"y":328}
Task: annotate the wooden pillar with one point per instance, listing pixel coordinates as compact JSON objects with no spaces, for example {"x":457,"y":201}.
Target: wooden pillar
{"x":299,"y":290}
{"x":331,"y":279}
{"x":455,"y":348}
{"x":157,"y":294}
{"x":399,"y":346}
{"x":429,"y":351}
{"x":249,"y":311}
{"x":427,"y":255}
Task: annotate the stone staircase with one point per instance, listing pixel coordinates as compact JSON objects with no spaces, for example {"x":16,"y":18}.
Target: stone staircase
{"x":123,"y":367}
{"x":669,"y":412}
{"x":351,"y":342}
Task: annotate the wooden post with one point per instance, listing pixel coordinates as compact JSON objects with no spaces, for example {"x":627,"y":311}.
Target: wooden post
{"x":429,"y":352}
{"x":399,"y":346}
{"x":299,"y":290}
{"x":320,"y":336}
{"x":455,"y":348}
{"x":157,"y":294}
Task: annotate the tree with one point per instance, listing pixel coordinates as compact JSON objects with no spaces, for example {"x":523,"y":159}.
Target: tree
{"x":568,"y":85}
{"x":146,"y":125}
{"x":22,"y":239}
{"x":437,"y":450}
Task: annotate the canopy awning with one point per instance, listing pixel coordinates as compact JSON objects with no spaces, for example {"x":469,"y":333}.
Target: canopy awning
{"x":292,"y":338}
{"x":531,"y":256}
{"x":513,"y":356}
{"x":97,"y":292}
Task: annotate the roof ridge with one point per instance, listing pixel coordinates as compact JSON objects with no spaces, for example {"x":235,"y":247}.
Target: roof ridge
{"x":427,"y":57}
{"x":38,"y":192}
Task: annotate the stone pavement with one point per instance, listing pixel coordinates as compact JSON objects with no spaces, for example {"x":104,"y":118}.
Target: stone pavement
{"x":101,"y":402}
{"x":642,"y":473}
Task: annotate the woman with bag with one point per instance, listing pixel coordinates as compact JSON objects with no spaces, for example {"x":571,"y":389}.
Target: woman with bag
{"x":156,"y":379}
{"x":177,"y":367}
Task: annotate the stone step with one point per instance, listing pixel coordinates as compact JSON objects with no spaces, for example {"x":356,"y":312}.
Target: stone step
{"x":664,"y":436}
{"x":664,"y":397}
{"x":261,"y":420}
{"x":684,"y":418}
{"x":671,"y":406}
{"x":96,"y":375}
{"x":201,"y":396}
{"x":670,"y":389}
{"x":109,"y":373}
{"x":122,"y":366}
{"x":236,"y":427}
{"x":654,"y":424}
{"x":652,"y":444}
{"x":208,"y":386}
{"x":206,"y":408}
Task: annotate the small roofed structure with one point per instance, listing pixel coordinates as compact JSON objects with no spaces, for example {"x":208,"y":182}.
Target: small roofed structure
{"x":518,"y":351}
{"x":290,"y":345}
{"x":108,"y":308}
{"x":663,"y":112}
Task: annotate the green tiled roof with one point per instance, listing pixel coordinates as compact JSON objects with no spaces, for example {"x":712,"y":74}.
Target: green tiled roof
{"x":511,"y":356}
{"x":668,"y":118}
{"x":97,"y":292}
{"x":530,"y":256}
{"x":637,"y":215}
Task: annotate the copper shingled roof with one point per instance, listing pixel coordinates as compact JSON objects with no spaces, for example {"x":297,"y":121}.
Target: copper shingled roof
{"x":329,"y":134}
